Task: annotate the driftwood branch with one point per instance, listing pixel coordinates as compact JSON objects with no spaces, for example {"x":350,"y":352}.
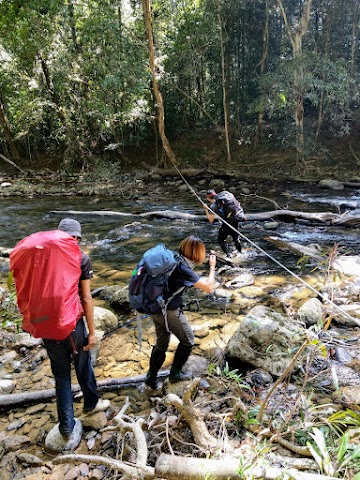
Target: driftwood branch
{"x":193,"y":416}
{"x":283,"y":215}
{"x":173,"y":467}
{"x":129,"y":471}
{"x":171,"y":172}
{"x":16,"y":399}
{"x":10,"y":162}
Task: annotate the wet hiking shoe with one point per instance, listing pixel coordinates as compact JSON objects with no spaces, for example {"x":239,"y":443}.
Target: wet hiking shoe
{"x":152,"y":382}
{"x":179,"y":376}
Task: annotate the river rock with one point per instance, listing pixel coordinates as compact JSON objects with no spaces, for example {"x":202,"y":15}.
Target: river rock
{"x":348,"y":396}
{"x":105,"y":320}
{"x":347,"y":265}
{"x":217,"y":184}
{"x":119,"y":301}
{"x":26,"y":340}
{"x":266,"y":339}
{"x":350,"y":317}
{"x":242,"y":280}
{"x":310,"y":313}
{"x":329,"y":183}
{"x":11,"y":443}
{"x":6,"y":386}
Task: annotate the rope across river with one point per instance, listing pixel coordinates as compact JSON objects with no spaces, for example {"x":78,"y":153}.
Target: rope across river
{"x":257,"y":247}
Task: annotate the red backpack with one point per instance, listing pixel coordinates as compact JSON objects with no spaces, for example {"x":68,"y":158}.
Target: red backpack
{"x":46,"y":270}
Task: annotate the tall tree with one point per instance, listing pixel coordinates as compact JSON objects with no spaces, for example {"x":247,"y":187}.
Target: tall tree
{"x":296,"y":35}
{"x":157,"y":93}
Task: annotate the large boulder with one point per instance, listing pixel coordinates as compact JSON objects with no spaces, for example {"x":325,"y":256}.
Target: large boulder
{"x":267,"y":340}
{"x":105,"y":320}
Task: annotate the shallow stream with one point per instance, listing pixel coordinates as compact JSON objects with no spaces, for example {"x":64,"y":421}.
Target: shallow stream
{"x":118,"y":242}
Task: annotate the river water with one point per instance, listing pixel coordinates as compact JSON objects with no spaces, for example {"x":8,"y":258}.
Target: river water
{"x":118,"y":242}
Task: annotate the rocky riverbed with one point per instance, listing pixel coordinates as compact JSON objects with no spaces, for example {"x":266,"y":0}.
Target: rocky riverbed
{"x":241,"y":299}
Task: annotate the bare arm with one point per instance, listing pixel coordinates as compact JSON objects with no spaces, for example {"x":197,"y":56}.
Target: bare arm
{"x":88,"y":305}
{"x":210,"y":216}
{"x":207,"y":284}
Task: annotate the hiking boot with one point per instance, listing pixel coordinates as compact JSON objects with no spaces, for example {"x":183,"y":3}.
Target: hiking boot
{"x":101,"y":406}
{"x":177,"y":375}
{"x":152,"y":381}
{"x":55,"y":442}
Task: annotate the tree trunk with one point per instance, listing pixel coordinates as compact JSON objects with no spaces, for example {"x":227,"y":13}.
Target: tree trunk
{"x":262,"y":65}
{"x":157,"y":94}
{"x":72,"y":26}
{"x":225,"y":82}
{"x":8,"y":134}
{"x":296,"y":35}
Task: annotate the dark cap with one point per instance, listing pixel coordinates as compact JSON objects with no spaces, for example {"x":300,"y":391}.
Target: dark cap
{"x":211,"y":193}
{"x":70,"y":226}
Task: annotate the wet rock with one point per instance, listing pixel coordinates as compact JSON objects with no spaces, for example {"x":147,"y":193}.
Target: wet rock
{"x":119,"y":301}
{"x":266,"y":339}
{"x":29,"y":459}
{"x":332,"y":184}
{"x":217,"y":184}
{"x":6,"y":386}
{"x":197,"y":365}
{"x":11,"y":443}
{"x":26,"y":340}
{"x":348,"y":396}
{"x":260,"y":378}
{"x":350,"y":317}
{"x":97,"y":421}
{"x":104,"y":319}
{"x":242,"y":280}
{"x":8,"y":357}
{"x":342,"y":355}
{"x":310,"y":313}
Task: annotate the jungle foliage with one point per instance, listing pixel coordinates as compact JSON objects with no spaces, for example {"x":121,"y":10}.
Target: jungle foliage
{"x":75,"y":78}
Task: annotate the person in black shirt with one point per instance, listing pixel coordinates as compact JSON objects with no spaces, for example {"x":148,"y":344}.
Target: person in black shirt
{"x":192,"y":251}
{"x":232,"y":217}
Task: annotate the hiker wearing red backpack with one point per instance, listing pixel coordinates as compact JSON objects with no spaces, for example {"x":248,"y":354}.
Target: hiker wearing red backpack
{"x":191,"y":252}
{"x":227,"y":207}
{"x":52,"y":277}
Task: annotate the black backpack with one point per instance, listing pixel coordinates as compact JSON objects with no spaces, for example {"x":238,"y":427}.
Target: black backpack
{"x":148,"y":287}
{"x":228,"y":205}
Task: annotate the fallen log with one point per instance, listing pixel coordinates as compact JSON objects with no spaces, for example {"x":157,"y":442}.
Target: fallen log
{"x":173,"y":467}
{"x":171,"y":214}
{"x":37,"y":396}
{"x":283,"y":215}
{"x":344,"y":264}
{"x":312,"y":251}
{"x":102,"y":213}
{"x":172,"y":172}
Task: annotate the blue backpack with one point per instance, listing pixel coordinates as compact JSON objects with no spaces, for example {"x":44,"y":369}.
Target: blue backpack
{"x":148,"y":287}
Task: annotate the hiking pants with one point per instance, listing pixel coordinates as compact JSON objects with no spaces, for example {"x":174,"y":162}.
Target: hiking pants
{"x":61,"y":353}
{"x":178,"y":325}
{"x":226,"y":231}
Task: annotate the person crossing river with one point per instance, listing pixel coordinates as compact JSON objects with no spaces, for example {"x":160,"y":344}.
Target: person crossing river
{"x":192,"y":252}
{"x":227,"y":207}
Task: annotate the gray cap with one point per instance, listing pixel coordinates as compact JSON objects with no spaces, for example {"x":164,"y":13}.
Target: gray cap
{"x":70,"y":226}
